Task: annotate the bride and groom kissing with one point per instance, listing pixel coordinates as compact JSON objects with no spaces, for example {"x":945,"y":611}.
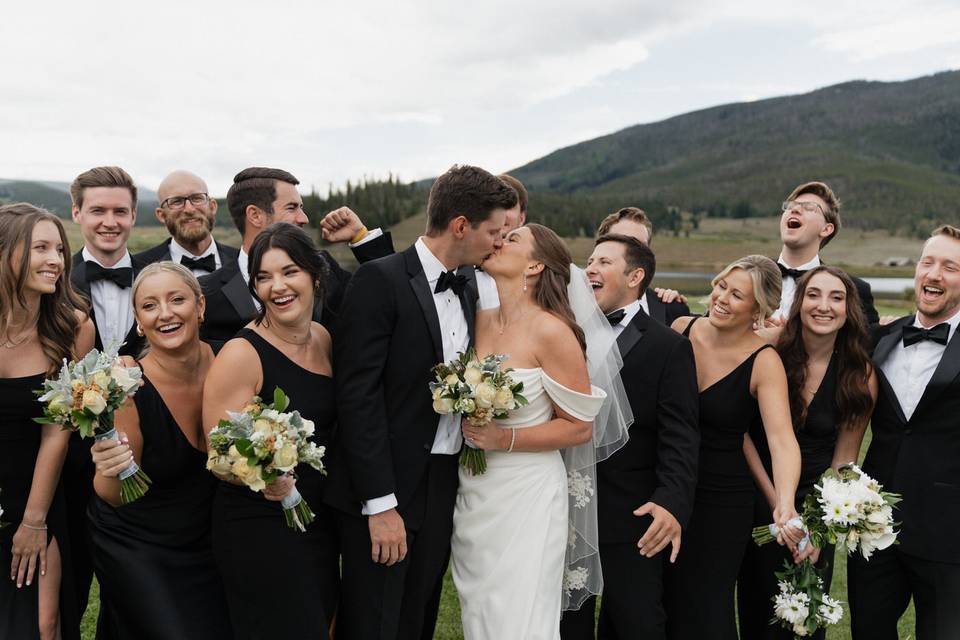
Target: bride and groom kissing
{"x":395,"y":478}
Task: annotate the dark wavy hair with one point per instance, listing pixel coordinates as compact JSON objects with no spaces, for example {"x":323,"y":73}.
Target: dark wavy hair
{"x":302,"y":251}
{"x":854,"y":367}
{"x":551,"y":288}
{"x":57,"y":323}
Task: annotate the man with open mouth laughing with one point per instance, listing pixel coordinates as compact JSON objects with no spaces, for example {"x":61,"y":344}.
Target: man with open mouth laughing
{"x":916,"y":452}
{"x":811,"y":219}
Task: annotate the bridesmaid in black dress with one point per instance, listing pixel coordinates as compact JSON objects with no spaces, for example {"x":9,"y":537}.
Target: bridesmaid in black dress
{"x":153,"y":557}
{"x":832,"y":390}
{"x":281,"y":583}
{"x":742,"y":385}
{"x":42,"y":321}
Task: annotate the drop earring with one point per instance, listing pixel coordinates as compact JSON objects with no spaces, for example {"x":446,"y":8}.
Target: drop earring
{"x":139,"y":330}
{"x":524,"y":280}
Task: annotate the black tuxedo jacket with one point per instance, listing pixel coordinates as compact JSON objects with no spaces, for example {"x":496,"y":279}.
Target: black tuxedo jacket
{"x":665,"y":313}
{"x":132,"y":343}
{"x":230,"y":307}
{"x":866,"y":301}
{"x":920,"y":457}
{"x":387,"y":340}
{"x":659,"y":461}
{"x":161,"y":252}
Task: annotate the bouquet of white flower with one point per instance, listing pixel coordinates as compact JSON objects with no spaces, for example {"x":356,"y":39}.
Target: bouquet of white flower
{"x":479,"y":389}
{"x":802,"y":606}
{"x":260,"y":443}
{"x":84,"y":397}
{"x":848,"y":508}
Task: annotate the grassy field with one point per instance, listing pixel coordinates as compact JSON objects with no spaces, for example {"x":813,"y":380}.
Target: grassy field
{"x":716,"y":244}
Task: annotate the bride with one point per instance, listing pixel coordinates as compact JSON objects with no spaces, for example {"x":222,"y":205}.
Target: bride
{"x":512,"y":524}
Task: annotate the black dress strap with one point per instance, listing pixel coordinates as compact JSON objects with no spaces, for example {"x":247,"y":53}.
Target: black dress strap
{"x":686,"y":332}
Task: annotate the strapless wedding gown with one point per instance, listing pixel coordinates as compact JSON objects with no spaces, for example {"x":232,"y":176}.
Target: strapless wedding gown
{"x":510,"y":525}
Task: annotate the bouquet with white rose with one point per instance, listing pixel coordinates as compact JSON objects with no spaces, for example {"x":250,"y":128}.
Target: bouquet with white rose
{"x":83,"y":398}
{"x":802,"y":606}
{"x":481,"y":390}
{"x":260,"y":443}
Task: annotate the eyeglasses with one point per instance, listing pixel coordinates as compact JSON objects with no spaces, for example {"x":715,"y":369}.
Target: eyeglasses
{"x":805,"y":206}
{"x":179,"y":202}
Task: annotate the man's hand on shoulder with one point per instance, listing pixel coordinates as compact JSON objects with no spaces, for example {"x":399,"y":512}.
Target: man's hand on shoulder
{"x":668,"y":296}
{"x":340,"y":225}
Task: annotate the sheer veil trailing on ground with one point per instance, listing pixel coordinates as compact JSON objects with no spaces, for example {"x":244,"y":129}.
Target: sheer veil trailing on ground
{"x":582,"y":575}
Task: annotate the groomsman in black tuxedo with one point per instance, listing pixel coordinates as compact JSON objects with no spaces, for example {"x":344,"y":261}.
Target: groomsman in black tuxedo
{"x":105,"y":206}
{"x":915,"y":452}
{"x":645,"y":490}
{"x":393,"y":469}
{"x":189,"y":213}
{"x":259,"y":197}
{"x":811,"y":219}
{"x":663,"y":305}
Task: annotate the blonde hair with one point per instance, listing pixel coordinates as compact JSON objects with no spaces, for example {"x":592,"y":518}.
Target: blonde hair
{"x":766,"y":279}
{"x":166,"y":266}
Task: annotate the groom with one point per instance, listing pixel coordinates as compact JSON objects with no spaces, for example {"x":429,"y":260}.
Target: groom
{"x":393,"y":470}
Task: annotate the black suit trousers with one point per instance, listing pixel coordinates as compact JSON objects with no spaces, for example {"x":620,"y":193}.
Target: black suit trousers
{"x":399,"y":602}
{"x":880,"y":590}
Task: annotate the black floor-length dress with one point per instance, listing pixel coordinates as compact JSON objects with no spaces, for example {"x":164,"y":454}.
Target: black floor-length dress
{"x":757,"y":584}
{"x":19,"y":446}
{"x":153,"y":557}
{"x":280,"y":582}
{"x":699,"y":587}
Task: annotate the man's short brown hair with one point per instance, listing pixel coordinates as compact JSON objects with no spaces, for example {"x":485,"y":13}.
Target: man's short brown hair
{"x":466,"y":191}
{"x":519,"y":188}
{"x":946,"y":230}
{"x":636,"y":254}
{"x":102,"y":177}
{"x":255,"y":186}
{"x":825,"y":193}
{"x":627,"y":213}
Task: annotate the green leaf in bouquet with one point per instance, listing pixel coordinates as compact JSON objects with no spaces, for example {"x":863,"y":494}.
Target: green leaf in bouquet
{"x":245,"y":447}
{"x":520,"y":398}
{"x":280,"y":400}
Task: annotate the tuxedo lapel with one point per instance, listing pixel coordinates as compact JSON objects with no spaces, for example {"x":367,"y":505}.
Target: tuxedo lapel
{"x":468,"y":300}
{"x":632,"y":333}
{"x":880,"y":355}
{"x":166,"y":253}
{"x":945,"y":373}
{"x":235,"y":290}
{"x":78,"y":274}
{"x":658,"y":310}
{"x":421,"y":289}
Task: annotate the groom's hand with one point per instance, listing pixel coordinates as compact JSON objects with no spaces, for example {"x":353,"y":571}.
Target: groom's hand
{"x":388,"y":537}
{"x":662,"y":531}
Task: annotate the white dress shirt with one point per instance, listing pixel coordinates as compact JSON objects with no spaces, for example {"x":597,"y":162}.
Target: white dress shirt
{"x":112,"y":304}
{"x":642,"y":301}
{"x":243,"y":262}
{"x":790,"y":286}
{"x":629,"y":311}
{"x":487,"y":289}
{"x":177,"y":252}
{"x":909,"y":369}
{"x":455,"y":337}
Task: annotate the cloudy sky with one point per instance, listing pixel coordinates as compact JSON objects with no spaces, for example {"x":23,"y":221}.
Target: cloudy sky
{"x":332,"y":91}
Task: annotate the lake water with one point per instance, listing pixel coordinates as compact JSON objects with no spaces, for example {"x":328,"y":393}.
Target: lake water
{"x":877,"y":284}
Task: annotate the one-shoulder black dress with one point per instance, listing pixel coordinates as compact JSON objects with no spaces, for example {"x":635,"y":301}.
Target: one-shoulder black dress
{"x":280,"y":582}
{"x":19,"y":446}
{"x":699,"y":587}
{"x":153,"y":557}
{"x":757,"y":585}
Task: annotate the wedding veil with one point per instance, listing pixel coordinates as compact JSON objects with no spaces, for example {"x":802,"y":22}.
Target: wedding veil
{"x":582,"y":575}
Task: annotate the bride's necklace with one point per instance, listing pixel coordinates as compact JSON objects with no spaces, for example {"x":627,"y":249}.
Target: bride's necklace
{"x":504,"y":323}
{"x":9,"y":343}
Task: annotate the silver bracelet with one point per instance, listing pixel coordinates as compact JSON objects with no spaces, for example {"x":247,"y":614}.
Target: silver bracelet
{"x":42,"y":527}
{"x":513,"y":438}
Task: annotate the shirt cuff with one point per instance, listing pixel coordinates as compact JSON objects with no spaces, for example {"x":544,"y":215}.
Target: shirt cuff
{"x":371,"y":234}
{"x":379,"y":505}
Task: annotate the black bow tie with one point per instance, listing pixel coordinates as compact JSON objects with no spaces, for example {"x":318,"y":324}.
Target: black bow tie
{"x":207,"y":263}
{"x":121,"y":276}
{"x":616,"y":317}
{"x":938,"y":334}
{"x":792,"y":273}
{"x":450,"y":280}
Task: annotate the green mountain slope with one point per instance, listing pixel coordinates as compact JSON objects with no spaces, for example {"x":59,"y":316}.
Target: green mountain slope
{"x":891,"y":150}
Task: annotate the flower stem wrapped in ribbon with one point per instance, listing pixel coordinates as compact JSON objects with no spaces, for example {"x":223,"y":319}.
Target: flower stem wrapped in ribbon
{"x":84,"y":397}
{"x":259,"y":444}
{"x":481,"y":390}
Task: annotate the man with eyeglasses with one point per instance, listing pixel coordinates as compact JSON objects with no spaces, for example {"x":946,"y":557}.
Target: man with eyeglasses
{"x":811,"y":219}
{"x":188,"y":212}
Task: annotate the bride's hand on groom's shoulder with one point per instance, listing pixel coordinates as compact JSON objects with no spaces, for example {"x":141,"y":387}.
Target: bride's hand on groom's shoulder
{"x":488,"y":436}
{"x":388,"y":537}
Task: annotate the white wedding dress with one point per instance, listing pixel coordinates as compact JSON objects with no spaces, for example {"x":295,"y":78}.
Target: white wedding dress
{"x":510,"y":525}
